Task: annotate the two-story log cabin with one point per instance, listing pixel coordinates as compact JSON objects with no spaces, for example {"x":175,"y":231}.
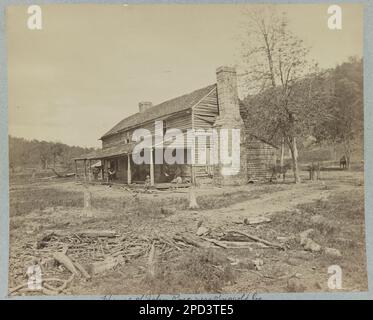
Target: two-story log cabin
{"x":213,"y":107}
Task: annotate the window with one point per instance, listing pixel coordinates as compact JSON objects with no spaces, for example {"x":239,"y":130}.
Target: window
{"x":126,"y":137}
{"x":164,"y":127}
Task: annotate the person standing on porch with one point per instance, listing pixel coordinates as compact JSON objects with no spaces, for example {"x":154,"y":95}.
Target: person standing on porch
{"x":111,"y":173}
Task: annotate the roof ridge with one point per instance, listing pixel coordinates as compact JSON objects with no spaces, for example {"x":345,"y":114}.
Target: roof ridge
{"x":150,"y":114}
{"x":183,"y":95}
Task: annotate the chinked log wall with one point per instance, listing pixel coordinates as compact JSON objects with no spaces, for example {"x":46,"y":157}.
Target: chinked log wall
{"x":261,"y":157}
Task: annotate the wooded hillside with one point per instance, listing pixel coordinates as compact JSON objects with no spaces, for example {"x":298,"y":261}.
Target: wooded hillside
{"x":340,"y":119}
{"x":42,"y":154}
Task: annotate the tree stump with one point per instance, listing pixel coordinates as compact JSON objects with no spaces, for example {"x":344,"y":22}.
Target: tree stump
{"x":192,"y":199}
{"x":87,"y":210}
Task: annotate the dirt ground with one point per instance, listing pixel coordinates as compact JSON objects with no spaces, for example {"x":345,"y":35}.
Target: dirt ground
{"x":151,"y":250}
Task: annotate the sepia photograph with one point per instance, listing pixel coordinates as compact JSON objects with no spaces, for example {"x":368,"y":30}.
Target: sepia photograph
{"x":170,"y":149}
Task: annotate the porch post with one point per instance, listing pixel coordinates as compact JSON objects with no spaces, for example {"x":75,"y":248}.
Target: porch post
{"x":76,"y":170}
{"x":104,"y":178}
{"x":85,"y":170}
{"x":102,"y":170}
{"x":151,"y":167}
{"x":128,"y":169}
{"x":90,"y":170}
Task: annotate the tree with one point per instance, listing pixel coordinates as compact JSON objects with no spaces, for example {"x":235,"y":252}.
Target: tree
{"x":286,"y":85}
{"x":33,"y":153}
{"x":44,"y":152}
{"x":57,"y":151}
{"x":345,"y":123}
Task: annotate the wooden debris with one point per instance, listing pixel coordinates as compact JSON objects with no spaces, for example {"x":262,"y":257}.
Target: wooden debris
{"x":152,"y":261}
{"x":233,"y":237}
{"x":60,"y":288}
{"x":256,"y":220}
{"x":97,"y":233}
{"x":332,"y":252}
{"x":216,"y":242}
{"x":82,"y":233}
{"x":82,"y":270}
{"x":167,"y":241}
{"x":201,"y":231}
{"x":190,"y":241}
{"x":303,"y":236}
{"x":49,"y":292}
{"x":63,"y":259}
{"x":238,"y":244}
{"x":311,"y":245}
{"x":268,"y":243}
{"x":47,"y":289}
{"x":102,"y":266}
{"x":168,"y":210}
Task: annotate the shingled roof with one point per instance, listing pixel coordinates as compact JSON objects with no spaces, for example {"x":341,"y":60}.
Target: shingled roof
{"x":108,"y":152}
{"x":168,"y":107}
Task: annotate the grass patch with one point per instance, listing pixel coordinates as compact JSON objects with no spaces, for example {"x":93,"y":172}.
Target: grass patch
{"x":338,"y":223}
{"x":197,"y":271}
{"x":26,"y":200}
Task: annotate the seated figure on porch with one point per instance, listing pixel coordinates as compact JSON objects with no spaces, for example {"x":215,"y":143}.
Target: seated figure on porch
{"x":177,"y":180}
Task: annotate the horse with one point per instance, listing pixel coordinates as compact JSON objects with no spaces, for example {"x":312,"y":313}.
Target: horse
{"x":314,"y":169}
{"x":278,"y":170}
{"x":343,"y":162}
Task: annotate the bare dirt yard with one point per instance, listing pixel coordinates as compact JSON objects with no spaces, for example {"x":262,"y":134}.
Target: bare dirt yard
{"x":255,"y":238}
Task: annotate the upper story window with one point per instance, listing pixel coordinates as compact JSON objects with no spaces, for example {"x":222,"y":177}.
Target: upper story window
{"x":164,"y":127}
{"x":126,"y":137}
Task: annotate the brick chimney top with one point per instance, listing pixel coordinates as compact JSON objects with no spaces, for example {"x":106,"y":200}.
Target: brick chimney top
{"x":144,"y":105}
{"x":225,"y":69}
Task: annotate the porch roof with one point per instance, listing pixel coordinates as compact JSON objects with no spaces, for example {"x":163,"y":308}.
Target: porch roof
{"x":108,"y":152}
{"x":122,"y":149}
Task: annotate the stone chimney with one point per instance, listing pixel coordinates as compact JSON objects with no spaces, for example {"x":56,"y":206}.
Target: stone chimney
{"x":226,"y":79}
{"x":230,"y":118}
{"x":145,"y":105}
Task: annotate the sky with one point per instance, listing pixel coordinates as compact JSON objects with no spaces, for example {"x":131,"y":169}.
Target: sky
{"x":90,"y":65}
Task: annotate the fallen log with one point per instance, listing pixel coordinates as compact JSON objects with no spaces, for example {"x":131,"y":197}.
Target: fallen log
{"x":268,"y":243}
{"x":60,"y":288}
{"x":83,"y":233}
{"x":47,"y":289}
{"x":233,"y":237}
{"x":152,"y":261}
{"x":256,"y":220}
{"x":102,"y":266}
{"x":97,"y":233}
{"x":190,"y":241}
{"x":239,"y":244}
{"x":167,"y":241}
{"x":216,"y":242}
{"x":66,"y":262}
{"x":82,"y":270}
